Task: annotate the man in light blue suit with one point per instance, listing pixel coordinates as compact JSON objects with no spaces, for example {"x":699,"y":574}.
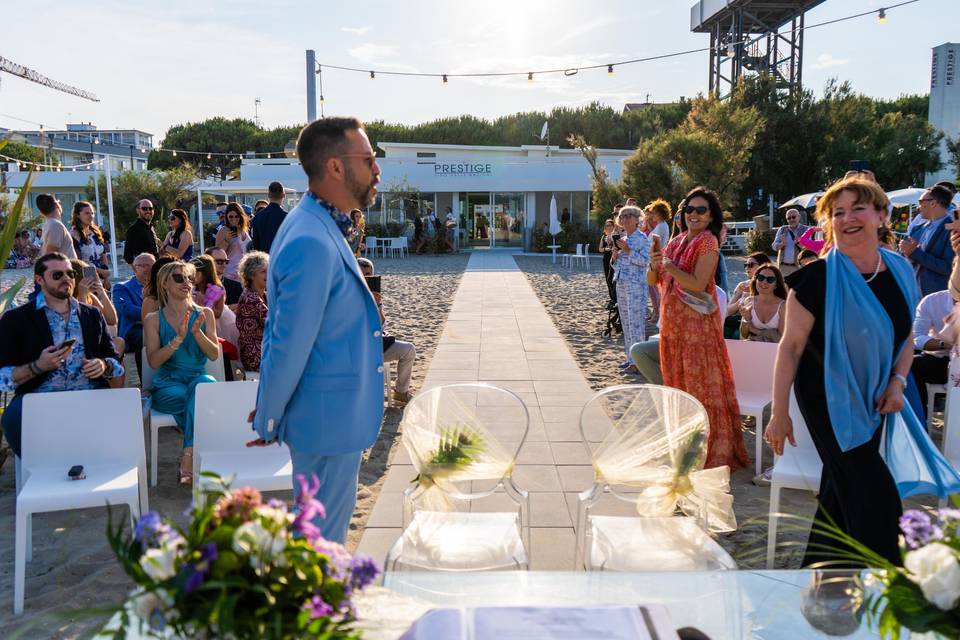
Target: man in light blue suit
{"x":321,"y":374}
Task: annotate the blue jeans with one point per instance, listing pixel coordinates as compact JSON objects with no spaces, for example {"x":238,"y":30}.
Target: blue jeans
{"x":12,"y":422}
{"x":338,"y":476}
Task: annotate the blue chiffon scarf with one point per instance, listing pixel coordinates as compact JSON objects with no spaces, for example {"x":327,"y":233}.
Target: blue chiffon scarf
{"x":857,"y":369}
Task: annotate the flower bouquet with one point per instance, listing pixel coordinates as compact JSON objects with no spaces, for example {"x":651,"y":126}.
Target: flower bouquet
{"x":241,"y":569}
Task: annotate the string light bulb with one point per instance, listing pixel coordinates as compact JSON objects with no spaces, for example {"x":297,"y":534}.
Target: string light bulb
{"x":731,"y":50}
{"x":372,"y":75}
{"x":444,"y":78}
{"x":882,"y":16}
{"x":609,"y":69}
{"x":209,"y":156}
{"x":530,"y":76}
{"x":96,"y":141}
{"x":321,"y":98}
{"x":174,"y":153}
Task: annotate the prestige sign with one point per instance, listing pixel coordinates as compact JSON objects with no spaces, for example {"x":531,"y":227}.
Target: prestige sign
{"x":462,"y":169}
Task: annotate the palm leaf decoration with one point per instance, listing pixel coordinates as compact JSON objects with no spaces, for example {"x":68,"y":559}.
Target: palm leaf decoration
{"x":457,"y":449}
{"x":9,"y":234}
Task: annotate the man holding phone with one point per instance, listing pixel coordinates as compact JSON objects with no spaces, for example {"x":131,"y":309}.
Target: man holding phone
{"x":928,"y":244}
{"x":54,"y":343}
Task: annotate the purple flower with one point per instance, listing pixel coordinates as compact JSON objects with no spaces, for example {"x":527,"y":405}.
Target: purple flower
{"x":273,"y":503}
{"x":918,"y":529}
{"x":308,"y":508}
{"x":949,"y":514}
{"x":208,"y":552}
{"x":363,"y":571}
{"x":318,"y":608}
{"x":151,"y":530}
{"x":194,"y":580}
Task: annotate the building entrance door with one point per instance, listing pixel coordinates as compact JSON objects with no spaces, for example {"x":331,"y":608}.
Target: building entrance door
{"x":475,"y":217}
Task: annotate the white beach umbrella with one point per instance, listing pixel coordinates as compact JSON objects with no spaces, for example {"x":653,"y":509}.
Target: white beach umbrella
{"x":902,"y":197}
{"x":806,"y":201}
{"x":554,"y":220}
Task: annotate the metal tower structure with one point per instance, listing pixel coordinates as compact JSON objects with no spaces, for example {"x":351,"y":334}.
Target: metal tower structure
{"x":29,"y":74}
{"x":753,"y":37}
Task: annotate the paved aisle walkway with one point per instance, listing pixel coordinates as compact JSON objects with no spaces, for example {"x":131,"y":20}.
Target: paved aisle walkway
{"x":499,"y":332}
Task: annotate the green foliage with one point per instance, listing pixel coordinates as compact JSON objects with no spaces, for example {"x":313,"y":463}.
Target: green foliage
{"x":24,"y":152}
{"x":166,"y":189}
{"x":9,"y":234}
{"x":218,"y":135}
{"x":457,"y":449}
{"x":953,"y":150}
{"x":712,"y":147}
{"x":759,"y":240}
{"x":605,"y":194}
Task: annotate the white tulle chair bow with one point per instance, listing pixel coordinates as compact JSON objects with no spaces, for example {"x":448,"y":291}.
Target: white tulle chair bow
{"x":647,"y":444}
{"x":463,"y":440}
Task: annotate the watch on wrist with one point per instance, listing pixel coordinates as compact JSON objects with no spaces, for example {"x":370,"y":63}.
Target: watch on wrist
{"x":942,"y":344}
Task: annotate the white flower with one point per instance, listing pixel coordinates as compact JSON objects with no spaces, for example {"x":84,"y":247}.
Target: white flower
{"x":263,"y":547}
{"x":278,"y":516}
{"x":936,"y":570}
{"x":160,"y":563}
{"x":154,"y":607}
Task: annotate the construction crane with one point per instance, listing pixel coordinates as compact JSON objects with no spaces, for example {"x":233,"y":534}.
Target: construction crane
{"x":29,"y":74}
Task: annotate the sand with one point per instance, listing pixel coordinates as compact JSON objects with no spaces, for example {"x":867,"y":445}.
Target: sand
{"x":73,"y":569}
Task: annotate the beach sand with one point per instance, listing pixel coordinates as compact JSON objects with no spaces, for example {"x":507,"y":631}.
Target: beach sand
{"x":73,"y":569}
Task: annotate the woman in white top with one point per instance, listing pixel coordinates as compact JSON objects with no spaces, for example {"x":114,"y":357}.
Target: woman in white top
{"x":762,"y":312}
{"x":233,"y":239}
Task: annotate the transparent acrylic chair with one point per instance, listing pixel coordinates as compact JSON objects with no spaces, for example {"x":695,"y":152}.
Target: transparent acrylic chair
{"x":647,"y":445}
{"x":463,"y":440}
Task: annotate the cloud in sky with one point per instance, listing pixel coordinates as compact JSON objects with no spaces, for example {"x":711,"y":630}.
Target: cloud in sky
{"x":581,"y":30}
{"x":826,"y":60}
{"x":373,"y":53}
{"x":357,"y":31}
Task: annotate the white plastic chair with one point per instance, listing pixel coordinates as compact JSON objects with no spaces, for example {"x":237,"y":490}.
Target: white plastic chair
{"x":220,"y":434}
{"x":55,"y":438}
{"x":394,"y":247}
{"x":370,"y":246}
{"x":651,"y":421}
{"x":934,"y":390}
{"x":752,"y":364}
{"x":157,"y":420}
{"x":798,"y":468}
{"x":565,"y":259}
{"x":437,"y":537}
{"x":583,"y":256}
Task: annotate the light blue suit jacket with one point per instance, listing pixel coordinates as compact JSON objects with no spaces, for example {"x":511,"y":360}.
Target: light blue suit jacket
{"x":321,"y":373}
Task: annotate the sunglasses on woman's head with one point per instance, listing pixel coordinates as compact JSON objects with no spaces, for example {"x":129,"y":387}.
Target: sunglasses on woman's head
{"x":59,"y":275}
{"x":179,"y":278}
{"x":700,"y":210}
{"x":767,"y":279}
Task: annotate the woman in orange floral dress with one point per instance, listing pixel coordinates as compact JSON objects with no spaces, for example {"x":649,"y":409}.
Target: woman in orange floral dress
{"x":693,"y":355}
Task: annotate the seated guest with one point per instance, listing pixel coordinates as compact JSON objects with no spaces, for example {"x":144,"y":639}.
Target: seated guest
{"x":768,"y":293}
{"x":88,"y":240}
{"x":232,"y":287}
{"x":53,"y":343}
{"x":90,"y":291}
{"x":128,"y":301}
{"x":252,"y":308}
{"x":403,"y":353}
{"x":151,"y":301}
{"x":806,"y":257}
{"x":180,"y":337}
{"x":933,"y":339}
{"x":208,"y":290}
{"x":179,"y":240}
{"x":731,"y":325}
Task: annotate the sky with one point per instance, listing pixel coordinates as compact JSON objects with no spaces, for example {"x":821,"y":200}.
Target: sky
{"x":155,"y":64}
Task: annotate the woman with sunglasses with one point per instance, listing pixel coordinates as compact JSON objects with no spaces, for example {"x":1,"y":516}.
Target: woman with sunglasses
{"x":846,"y":352}
{"x":731,"y":323}
{"x":359,"y":235}
{"x":693,"y":355}
{"x":233,"y":238}
{"x":761,"y":313}
{"x":179,"y":338}
{"x":208,"y":291}
{"x":179,"y":240}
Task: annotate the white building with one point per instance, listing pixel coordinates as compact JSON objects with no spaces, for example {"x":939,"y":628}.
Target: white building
{"x":83,"y":142}
{"x":498,"y":195}
{"x":944,"y":113}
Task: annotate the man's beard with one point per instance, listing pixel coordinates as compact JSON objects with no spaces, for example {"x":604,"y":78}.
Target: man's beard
{"x":57,"y":293}
{"x":362,"y":193}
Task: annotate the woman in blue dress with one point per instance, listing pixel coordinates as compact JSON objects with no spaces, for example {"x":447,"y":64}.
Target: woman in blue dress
{"x":179,"y":337}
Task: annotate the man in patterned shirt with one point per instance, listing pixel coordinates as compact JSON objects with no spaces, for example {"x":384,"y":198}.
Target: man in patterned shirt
{"x":53,"y":344}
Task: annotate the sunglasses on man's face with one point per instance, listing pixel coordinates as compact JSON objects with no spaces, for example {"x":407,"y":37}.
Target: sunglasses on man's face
{"x":60,"y":275}
{"x":179,"y":278}
{"x":146,"y":208}
{"x":699,"y":210}
{"x":221,"y":262}
{"x":767,"y":279}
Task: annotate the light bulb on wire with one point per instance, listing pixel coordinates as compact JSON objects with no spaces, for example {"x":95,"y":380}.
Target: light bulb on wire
{"x":609,"y":69}
{"x":444,"y":78}
{"x":882,"y":16}
{"x":174,"y":153}
{"x":372,"y":75}
{"x":530,"y":76}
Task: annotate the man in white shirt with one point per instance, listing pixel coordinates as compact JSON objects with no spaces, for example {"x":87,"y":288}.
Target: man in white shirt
{"x":785,"y":244}
{"x":932,"y":357}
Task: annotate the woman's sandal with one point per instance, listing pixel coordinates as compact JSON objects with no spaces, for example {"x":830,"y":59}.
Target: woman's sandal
{"x":185,"y":474}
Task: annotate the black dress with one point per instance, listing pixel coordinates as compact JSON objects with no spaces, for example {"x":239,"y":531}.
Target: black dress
{"x":856,"y":489}
{"x":606,"y":250}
